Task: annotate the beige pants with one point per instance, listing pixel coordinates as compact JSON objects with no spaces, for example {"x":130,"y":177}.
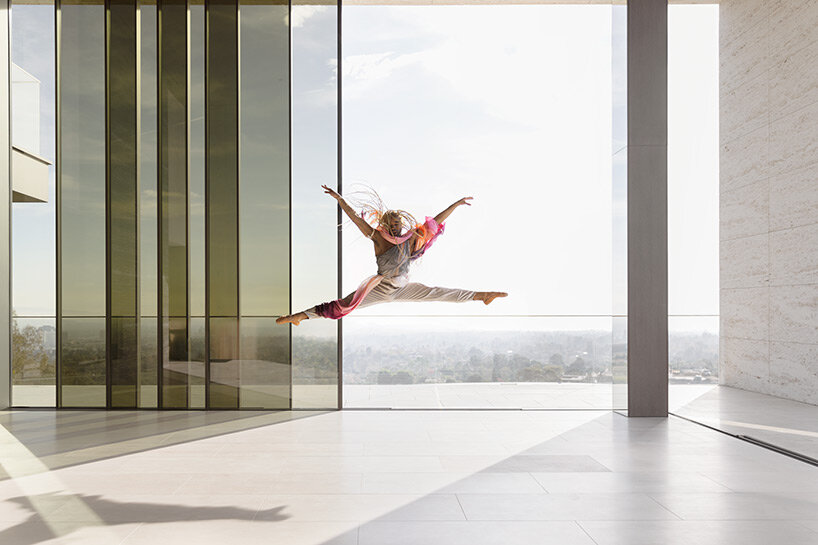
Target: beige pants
{"x":386,"y":292}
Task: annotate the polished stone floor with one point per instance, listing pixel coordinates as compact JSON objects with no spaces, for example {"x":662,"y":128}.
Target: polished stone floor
{"x":393,"y":477}
{"x":781,"y":422}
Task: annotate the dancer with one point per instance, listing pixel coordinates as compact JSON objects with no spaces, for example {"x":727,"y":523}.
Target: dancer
{"x":394,"y":252}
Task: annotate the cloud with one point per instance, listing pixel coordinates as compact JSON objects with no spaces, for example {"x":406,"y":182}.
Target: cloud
{"x":300,"y":14}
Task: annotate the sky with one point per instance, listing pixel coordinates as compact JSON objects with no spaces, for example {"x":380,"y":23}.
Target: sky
{"x":512,"y":105}
{"x":508,"y":104}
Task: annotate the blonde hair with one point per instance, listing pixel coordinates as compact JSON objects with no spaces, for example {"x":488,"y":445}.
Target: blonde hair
{"x":375,"y":212}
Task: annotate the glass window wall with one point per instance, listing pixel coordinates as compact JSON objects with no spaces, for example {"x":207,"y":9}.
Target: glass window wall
{"x":314,"y":143}
{"x":33,"y":211}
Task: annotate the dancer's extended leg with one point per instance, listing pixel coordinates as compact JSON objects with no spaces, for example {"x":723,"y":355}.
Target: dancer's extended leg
{"x":419,"y":292}
{"x":380,"y":294}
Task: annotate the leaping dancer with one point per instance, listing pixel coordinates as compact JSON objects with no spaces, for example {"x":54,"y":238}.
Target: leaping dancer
{"x":394,"y":252}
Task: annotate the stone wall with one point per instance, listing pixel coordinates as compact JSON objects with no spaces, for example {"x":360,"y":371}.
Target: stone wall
{"x":769,"y":196}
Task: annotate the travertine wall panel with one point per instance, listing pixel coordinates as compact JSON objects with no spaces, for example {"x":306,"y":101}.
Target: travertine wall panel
{"x":750,"y":107}
{"x":794,"y":140}
{"x":744,"y":211}
{"x":745,"y":58}
{"x":792,"y":26}
{"x":748,"y":159}
{"x":769,"y":196}
{"x":746,"y":364}
{"x":790,"y":261}
{"x":794,"y":198}
{"x":745,"y":262}
{"x":792,"y":87}
{"x":745,"y":313}
{"x":793,"y":371}
{"x":794,"y":314}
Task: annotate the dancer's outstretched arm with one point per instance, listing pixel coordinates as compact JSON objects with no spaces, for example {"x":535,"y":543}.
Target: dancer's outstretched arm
{"x":365,"y":228}
{"x":440,"y":218}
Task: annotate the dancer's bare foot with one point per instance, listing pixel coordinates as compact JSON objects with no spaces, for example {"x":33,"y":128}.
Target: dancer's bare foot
{"x":294,"y":319}
{"x":488,"y":296}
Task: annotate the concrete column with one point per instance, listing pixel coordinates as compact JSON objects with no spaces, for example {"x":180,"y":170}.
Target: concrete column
{"x":5,"y":211}
{"x":647,"y":208}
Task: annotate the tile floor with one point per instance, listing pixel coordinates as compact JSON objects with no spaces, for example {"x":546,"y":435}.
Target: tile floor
{"x":782,"y":422}
{"x":393,"y":477}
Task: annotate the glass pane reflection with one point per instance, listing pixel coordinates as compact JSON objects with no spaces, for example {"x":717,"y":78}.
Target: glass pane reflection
{"x":265,"y":364}
{"x":264,"y":194}
{"x":82,"y":362}
{"x":82,"y":158}
{"x":33,"y":362}
{"x":224,"y":363}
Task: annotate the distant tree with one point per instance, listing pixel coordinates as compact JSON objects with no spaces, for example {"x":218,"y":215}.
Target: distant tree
{"x":402,"y":377}
{"x":474,"y":378}
{"x":556,"y":359}
{"x":577,"y":368}
{"x":28,"y":353}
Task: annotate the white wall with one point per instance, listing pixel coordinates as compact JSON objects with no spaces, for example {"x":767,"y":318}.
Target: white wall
{"x":769,"y":196}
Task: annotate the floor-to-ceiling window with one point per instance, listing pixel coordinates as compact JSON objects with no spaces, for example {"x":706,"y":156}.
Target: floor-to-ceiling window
{"x":34,"y":338}
{"x":160,"y":200}
{"x":510,"y":105}
{"x":693,"y":200}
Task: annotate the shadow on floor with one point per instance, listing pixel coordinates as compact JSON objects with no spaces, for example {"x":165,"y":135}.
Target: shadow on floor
{"x":66,"y":438}
{"x":72,"y":512}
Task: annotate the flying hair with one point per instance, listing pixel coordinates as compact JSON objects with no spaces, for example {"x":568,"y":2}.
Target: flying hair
{"x":375,"y":212}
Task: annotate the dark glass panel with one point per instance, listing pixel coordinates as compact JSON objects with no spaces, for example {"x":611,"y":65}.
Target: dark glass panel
{"x":148,"y":377}
{"x":148,"y":371}
{"x":123,"y":200}
{"x":224,"y":363}
{"x":175,"y":368}
{"x":265,"y":364}
{"x":122,"y":189}
{"x":196,"y":177}
{"x":196,"y":367}
{"x":264,"y":185}
{"x":82,"y":362}
{"x":148,"y":157}
{"x":173,"y":165}
{"x":222,"y":157}
{"x":173,"y":189}
{"x":124,"y":341}
{"x":82,"y":159}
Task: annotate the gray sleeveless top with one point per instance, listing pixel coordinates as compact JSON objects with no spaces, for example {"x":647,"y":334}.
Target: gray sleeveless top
{"x":394,"y":262}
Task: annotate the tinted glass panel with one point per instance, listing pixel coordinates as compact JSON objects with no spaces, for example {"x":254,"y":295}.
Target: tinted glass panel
{"x":264,"y":211}
{"x":82,"y":158}
{"x":82,"y":362}
{"x":222,"y":158}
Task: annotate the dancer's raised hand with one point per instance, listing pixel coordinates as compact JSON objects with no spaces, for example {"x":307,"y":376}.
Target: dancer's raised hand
{"x":331,"y":192}
{"x":440,"y":218}
{"x":359,"y":222}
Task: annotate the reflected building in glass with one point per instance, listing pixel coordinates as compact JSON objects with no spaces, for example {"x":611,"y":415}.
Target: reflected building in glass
{"x":185,"y":156}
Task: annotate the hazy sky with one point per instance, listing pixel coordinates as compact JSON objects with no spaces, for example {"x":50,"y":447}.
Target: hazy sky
{"x":512,"y":105}
{"x":509,"y":104}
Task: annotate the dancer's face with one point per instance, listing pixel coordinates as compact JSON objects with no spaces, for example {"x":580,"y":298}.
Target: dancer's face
{"x":393,"y":223}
